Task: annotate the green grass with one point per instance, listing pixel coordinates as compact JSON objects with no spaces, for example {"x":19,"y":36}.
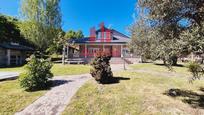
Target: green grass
{"x":13,"y":98}
{"x":57,"y":69}
{"x":12,"y":69}
{"x":143,"y":94}
{"x":160,"y":68}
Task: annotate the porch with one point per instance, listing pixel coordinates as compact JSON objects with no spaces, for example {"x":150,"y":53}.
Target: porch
{"x":89,"y":50}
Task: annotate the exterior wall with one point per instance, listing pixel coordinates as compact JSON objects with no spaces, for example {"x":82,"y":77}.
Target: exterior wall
{"x":16,"y":57}
{"x":2,"y":57}
{"x":115,"y":50}
{"x":82,"y":51}
{"x":92,"y":49}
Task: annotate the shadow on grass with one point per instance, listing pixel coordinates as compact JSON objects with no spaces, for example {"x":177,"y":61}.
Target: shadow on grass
{"x":192,"y":98}
{"x":178,"y":65}
{"x":114,"y":80}
{"x":202,"y":89}
{"x":50,"y":84}
{"x":14,"y":66}
{"x":55,"y":83}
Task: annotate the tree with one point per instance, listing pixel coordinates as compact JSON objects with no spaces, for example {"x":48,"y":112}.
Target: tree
{"x":9,"y":30}
{"x":58,"y":43}
{"x":140,"y":40}
{"x":165,"y":19}
{"x":73,"y":35}
{"x":178,"y":27}
{"x":42,"y":19}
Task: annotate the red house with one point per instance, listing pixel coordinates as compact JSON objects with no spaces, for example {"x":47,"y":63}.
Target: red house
{"x":104,"y":39}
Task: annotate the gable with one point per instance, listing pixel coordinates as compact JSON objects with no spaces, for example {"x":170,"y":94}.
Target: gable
{"x":115,"y":37}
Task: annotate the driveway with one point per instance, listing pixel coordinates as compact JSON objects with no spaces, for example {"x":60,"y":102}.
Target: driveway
{"x":8,"y":75}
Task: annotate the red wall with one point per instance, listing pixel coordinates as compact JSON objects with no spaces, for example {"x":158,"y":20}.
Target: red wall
{"x":91,"y":50}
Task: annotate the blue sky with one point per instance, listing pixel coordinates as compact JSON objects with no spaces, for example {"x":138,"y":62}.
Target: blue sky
{"x":84,"y":14}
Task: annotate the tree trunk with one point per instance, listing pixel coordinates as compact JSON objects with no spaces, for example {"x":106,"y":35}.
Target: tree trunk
{"x":164,"y":61}
{"x":174,"y":60}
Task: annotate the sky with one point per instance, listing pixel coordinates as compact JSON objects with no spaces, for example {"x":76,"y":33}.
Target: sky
{"x":84,"y":14}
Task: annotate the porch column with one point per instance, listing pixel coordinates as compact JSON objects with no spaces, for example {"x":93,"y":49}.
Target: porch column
{"x":85,"y":51}
{"x":8,"y":57}
{"x":17,"y":60}
{"x":63,"y":55}
{"x":121,"y":52}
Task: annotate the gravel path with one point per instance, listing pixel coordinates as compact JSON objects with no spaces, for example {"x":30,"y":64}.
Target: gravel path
{"x":55,"y":100}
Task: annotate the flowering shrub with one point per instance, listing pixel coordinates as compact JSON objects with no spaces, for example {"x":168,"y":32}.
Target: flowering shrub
{"x":101,"y":70}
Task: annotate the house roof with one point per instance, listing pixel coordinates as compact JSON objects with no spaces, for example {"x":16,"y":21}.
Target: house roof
{"x":118,"y":38}
{"x":15,"y":46}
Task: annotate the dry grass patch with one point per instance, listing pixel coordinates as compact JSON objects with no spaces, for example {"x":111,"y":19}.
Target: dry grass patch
{"x":143,"y":94}
{"x":57,"y":69}
{"x":13,"y":98}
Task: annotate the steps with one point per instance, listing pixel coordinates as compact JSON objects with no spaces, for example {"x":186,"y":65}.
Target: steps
{"x":119,"y":61}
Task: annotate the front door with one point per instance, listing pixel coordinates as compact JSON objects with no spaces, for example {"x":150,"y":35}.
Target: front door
{"x":108,"y":49}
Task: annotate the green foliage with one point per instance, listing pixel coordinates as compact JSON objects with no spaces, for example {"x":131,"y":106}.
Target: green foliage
{"x":36,"y":75}
{"x":101,"y":70}
{"x":58,"y":42}
{"x":140,"y":40}
{"x":73,"y":35}
{"x":196,"y":69}
{"x":42,"y":19}
{"x":10,"y":32}
{"x":191,"y":40}
{"x":162,"y":32}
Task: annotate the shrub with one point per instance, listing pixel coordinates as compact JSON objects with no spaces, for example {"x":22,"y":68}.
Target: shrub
{"x":101,"y":70}
{"x":36,"y":75}
{"x":196,"y":70}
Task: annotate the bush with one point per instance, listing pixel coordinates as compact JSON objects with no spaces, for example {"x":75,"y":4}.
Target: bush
{"x":196,"y":70}
{"x":101,"y":70}
{"x":36,"y":75}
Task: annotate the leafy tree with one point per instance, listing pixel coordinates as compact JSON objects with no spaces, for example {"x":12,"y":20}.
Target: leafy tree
{"x":140,"y":40}
{"x":73,"y":35}
{"x":58,"y":43}
{"x":9,"y":30}
{"x":165,"y":19}
{"x":42,"y":19}
{"x":177,"y":28}
{"x":192,"y":39}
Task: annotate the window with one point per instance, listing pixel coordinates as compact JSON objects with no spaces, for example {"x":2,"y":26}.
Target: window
{"x":106,"y":35}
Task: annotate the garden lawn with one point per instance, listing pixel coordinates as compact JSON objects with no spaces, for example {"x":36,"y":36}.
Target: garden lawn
{"x":159,"y":67}
{"x":142,"y":94}
{"x":13,"y":98}
{"x":12,"y":69}
{"x":57,"y":69}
